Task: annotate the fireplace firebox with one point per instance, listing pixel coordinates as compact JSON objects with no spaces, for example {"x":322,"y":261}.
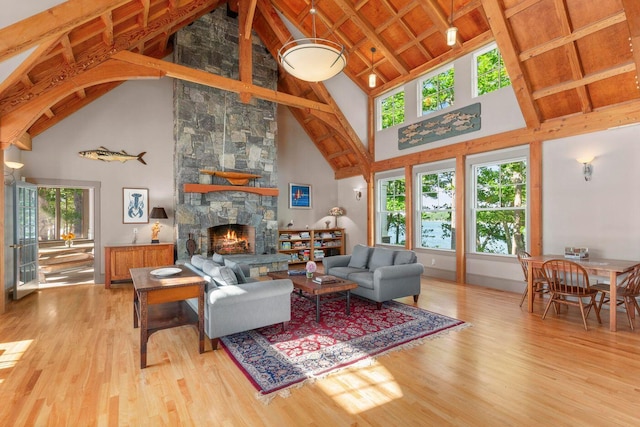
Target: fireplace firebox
{"x":231,"y":239}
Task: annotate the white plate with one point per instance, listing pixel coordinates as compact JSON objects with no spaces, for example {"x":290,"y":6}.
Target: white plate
{"x":170,"y":271}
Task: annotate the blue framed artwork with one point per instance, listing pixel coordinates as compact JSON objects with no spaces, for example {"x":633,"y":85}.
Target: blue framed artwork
{"x":299,"y":196}
{"x":135,"y":205}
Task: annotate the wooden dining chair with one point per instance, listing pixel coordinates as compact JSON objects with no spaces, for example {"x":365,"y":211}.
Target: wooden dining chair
{"x":626,"y":293}
{"x":569,"y":285}
{"x":539,"y":282}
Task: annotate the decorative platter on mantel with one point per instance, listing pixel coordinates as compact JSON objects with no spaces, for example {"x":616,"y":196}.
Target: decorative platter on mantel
{"x":234,"y":178}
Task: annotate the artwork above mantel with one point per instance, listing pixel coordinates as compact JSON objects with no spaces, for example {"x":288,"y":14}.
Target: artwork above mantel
{"x":211,"y":188}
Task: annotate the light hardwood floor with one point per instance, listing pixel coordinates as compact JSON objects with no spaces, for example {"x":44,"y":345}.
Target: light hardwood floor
{"x":70,"y":357}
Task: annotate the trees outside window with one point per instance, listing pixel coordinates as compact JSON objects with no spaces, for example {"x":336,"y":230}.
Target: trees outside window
{"x":491,"y":73}
{"x":437,"y":194}
{"x":500,"y":207}
{"x":391,"y":211}
{"x":437,"y":92}
{"x":61,"y":211}
{"x":392,"y":110}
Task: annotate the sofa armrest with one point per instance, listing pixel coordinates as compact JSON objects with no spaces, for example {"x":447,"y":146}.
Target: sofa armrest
{"x":335,"y":261}
{"x":233,"y":294}
{"x":397,"y":271}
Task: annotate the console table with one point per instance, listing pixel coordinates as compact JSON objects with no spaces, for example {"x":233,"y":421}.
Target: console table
{"x":118,"y":259}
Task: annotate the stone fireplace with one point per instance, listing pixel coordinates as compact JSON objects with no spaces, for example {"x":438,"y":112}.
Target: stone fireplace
{"x":214,"y":130}
{"x":231,"y":239}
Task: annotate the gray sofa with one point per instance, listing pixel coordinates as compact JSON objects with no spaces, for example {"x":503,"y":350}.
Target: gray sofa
{"x":237,"y":303}
{"x":381,"y":274}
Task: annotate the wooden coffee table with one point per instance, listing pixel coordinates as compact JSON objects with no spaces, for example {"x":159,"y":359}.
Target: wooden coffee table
{"x":159,"y":303}
{"x":315,"y":290}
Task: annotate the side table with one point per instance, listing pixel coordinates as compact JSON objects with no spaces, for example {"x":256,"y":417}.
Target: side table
{"x":159,"y":303}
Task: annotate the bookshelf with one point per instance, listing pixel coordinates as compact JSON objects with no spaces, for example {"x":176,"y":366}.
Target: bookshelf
{"x":310,"y":245}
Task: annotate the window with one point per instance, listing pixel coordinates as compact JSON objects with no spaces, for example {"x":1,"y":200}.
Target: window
{"x":437,"y":92}
{"x":392,"y":110}
{"x":437,"y":192}
{"x":491,"y":73}
{"x":499,"y":208}
{"x":62,"y":210}
{"x":391,"y":211}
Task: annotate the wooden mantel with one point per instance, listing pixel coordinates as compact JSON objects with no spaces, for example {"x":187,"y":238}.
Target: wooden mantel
{"x":210,"y":188}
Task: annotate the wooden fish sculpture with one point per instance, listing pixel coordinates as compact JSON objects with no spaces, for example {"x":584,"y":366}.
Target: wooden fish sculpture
{"x":107,"y":155}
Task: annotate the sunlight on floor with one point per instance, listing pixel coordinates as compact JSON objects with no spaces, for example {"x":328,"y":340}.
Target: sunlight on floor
{"x":10,"y":354}
{"x":362,"y":388}
{"x":77,"y":276}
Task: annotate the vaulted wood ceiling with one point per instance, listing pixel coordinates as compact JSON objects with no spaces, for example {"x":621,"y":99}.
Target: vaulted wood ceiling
{"x":566,"y":58}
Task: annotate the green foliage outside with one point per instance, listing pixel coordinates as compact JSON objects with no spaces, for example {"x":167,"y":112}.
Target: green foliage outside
{"x":437,"y":92}
{"x":501,"y":208}
{"x":392,"y":110}
{"x":394,"y":205}
{"x":491,"y":72}
{"x":438,"y":191}
{"x":69,"y":203}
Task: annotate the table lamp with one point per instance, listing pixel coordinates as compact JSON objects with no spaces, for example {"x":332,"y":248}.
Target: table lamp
{"x":157,"y":214}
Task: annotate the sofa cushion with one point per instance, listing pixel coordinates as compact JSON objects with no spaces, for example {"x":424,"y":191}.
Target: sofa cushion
{"x":208,"y":265}
{"x":405,"y":257}
{"x":224,"y":276}
{"x":344,"y":272}
{"x":363,"y":279}
{"x":359,"y":256}
{"x":381,"y":257}
{"x":198,"y":261}
{"x":237,"y":270}
{"x":218,"y":258}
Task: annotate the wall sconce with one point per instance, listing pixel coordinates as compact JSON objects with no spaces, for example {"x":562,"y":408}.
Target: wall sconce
{"x":587,"y":168}
{"x":12,"y":161}
{"x":358,"y":193}
{"x":157,"y":214}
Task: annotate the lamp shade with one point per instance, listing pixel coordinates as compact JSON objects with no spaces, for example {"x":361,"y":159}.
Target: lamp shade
{"x":312,"y":59}
{"x":158,"y":213}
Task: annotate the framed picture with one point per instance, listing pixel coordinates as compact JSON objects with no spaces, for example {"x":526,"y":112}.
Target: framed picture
{"x":135,"y":205}
{"x":299,"y":196}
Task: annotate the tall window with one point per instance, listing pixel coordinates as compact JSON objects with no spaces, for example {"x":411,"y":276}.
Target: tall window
{"x":437,"y":92}
{"x":491,"y":73}
{"x":500,"y":192}
{"x":437,"y":192}
{"x":392,"y":110}
{"x":391,"y":211}
{"x":61,"y":211}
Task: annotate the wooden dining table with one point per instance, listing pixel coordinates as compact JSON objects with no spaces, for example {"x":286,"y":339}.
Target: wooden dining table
{"x":594,"y":266}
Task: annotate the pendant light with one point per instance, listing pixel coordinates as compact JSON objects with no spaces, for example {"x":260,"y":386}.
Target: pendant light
{"x":451,"y":31}
{"x":312,"y":59}
{"x":372,"y":76}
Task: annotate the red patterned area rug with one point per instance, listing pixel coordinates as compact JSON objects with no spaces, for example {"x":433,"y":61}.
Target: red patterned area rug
{"x":274,"y":360}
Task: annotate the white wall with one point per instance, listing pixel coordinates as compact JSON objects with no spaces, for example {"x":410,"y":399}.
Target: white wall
{"x":136,"y":116}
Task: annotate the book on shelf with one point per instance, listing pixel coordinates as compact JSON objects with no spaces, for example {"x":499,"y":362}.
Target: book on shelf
{"x":326,"y":279}
{"x":285,"y":245}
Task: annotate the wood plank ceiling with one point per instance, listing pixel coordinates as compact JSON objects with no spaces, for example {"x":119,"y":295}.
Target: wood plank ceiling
{"x":565,"y":57}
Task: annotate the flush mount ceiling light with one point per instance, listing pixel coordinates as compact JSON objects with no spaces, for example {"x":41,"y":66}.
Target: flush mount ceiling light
{"x":372,"y":76}
{"x":451,"y":31}
{"x":312,"y":59}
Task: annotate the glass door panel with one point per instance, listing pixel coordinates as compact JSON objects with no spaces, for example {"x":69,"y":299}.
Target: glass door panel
{"x":25,"y":244}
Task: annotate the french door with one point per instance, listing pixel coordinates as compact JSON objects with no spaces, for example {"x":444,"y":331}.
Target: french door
{"x":25,"y":244}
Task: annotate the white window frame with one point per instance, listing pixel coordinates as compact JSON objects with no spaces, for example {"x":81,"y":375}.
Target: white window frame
{"x":492,"y":158}
{"x":430,"y":76}
{"x":448,"y":166}
{"x":474,"y":67}
{"x":379,"y":108}
{"x":380,"y":198}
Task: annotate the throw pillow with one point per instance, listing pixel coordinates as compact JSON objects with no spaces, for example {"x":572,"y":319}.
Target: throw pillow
{"x":359,"y":256}
{"x":237,"y":269}
{"x":223,"y":276}
{"x":380,"y":258}
{"x":405,"y":257}
{"x":218,"y":258}
{"x":198,"y":261}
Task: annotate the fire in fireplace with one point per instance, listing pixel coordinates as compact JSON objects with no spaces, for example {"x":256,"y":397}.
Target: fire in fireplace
{"x":232,"y":239}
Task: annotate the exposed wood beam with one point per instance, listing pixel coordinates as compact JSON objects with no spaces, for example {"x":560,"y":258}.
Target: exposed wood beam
{"x":632,"y":11}
{"x":250,"y":13}
{"x":202,"y":77}
{"x":439,"y":18}
{"x":519,"y":80}
{"x":107,"y":34}
{"x":16,"y":122}
{"x":245,"y":46}
{"x":51,"y":23}
{"x":587,"y":79}
{"x":523,"y":5}
{"x":22,"y":70}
